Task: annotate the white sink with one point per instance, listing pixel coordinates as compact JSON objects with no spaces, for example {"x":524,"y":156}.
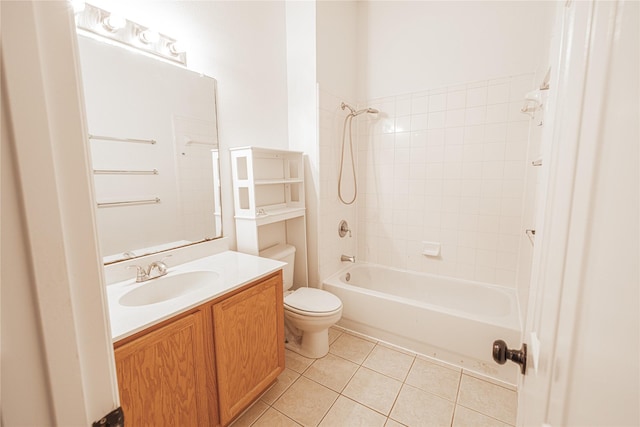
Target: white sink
{"x":168,"y":287}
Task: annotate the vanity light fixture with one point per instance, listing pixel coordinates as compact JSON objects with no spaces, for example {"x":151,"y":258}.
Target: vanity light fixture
{"x":104,"y":24}
{"x":177,"y":48}
{"x":113,"y":22}
{"x":149,"y":36}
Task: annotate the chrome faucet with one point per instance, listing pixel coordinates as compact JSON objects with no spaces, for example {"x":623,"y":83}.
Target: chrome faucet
{"x":144,"y":274}
{"x":348,"y":258}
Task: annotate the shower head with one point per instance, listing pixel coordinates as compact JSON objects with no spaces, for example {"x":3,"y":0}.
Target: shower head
{"x":366,"y":110}
{"x":354,"y":113}
{"x":351,"y":109}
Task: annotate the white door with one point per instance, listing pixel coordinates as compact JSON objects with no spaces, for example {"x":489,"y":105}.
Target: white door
{"x":582,"y":326}
{"x":57,"y":357}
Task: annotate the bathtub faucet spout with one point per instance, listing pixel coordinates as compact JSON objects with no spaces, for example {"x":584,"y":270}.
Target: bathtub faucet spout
{"x":348,"y":258}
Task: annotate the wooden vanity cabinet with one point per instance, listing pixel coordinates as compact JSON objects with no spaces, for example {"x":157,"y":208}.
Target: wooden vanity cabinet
{"x":249,"y":345}
{"x":161,"y":375}
{"x":204,"y":367}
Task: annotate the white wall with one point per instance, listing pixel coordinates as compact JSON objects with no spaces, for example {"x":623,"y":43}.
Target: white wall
{"x":411,"y":46}
{"x":243,"y":46}
{"x":337,"y":51}
{"x":303,"y":117}
{"x":608,"y":304}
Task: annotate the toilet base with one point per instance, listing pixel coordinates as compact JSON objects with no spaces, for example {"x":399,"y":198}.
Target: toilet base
{"x":313,"y":345}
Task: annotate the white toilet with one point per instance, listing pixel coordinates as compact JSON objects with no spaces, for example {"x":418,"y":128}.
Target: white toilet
{"x":308,"y":312}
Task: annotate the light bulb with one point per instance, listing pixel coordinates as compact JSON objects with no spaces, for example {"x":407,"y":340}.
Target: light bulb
{"x":114,"y":22}
{"x":149,"y":36}
{"x":177,"y":48}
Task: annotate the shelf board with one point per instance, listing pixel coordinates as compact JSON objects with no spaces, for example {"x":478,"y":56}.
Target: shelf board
{"x":278,"y":181}
{"x":274,"y":215}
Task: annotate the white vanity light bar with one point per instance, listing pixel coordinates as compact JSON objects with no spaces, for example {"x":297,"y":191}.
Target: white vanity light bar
{"x":113,"y":27}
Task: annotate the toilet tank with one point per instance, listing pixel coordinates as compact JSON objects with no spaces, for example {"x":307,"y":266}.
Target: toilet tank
{"x":284,"y":253}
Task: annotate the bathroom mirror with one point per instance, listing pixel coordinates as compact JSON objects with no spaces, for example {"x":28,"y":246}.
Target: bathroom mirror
{"x":154,"y":151}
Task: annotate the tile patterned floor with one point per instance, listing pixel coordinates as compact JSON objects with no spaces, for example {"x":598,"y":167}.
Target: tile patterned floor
{"x":367,"y":383}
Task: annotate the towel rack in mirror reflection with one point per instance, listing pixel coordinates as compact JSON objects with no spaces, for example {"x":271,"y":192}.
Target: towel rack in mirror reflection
{"x":128,"y":202}
{"x":124,"y":172}
{"x":113,"y":138}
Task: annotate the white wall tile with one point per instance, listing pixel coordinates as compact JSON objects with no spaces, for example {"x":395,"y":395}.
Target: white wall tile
{"x":453,"y":153}
{"x":471,"y":188}
{"x":436,"y":120}
{"x":493,"y":151}
{"x":435,"y":137}
{"x":495,"y":132}
{"x":456,"y":100}
{"x":472,"y":169}
{"x":472,"y":153}
{"x":454,"y":118}
{"x":419,"y":104}
{"x":474,"y":134}
{"x":497,"y":113}
{"x":403,"y":124}
{"x":475,"y":115}
{"x":419,"y":122}
{"x":437,"y":102}
{"x":403,"y":106}
{"x":402,"y":139}
{"x":497,"y":94}
{"x":454,"y":136}
{"x":457,"y":177}
{"x":518,"y":131}
{"x":477,"y":97}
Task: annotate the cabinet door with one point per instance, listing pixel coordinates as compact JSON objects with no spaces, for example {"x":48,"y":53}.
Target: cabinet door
{"x":249,"y":345}
{"x":162,"y":376}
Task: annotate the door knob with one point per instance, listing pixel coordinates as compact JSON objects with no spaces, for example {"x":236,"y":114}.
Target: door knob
{"x":501,"y":353}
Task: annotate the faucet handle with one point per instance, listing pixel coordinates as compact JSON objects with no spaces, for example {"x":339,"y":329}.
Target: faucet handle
{"x":160,"y":265}
{"x":141,"y":273}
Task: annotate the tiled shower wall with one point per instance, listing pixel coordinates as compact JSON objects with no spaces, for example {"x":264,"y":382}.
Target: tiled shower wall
{"x":445,"y":165}
{"x":331,"y":210}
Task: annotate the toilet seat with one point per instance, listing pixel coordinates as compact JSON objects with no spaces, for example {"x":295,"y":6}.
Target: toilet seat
{"x":312,"y":302}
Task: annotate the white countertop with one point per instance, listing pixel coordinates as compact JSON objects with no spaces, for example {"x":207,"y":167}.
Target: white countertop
{"x":234,"y":270}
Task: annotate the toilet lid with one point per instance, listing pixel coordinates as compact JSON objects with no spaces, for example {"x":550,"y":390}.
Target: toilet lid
{"x":312,"y":300}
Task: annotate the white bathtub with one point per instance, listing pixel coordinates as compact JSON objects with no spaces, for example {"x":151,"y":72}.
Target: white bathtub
{"x":452,"y":320}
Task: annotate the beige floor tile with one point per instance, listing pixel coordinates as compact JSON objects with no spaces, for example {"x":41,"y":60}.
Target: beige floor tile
{"x":393,"y":423}
{"x":490,"y":380}
{"x":434,"y":378}
{"x":331,"y":371}
{"x":296,"y":362}
{"x":467,"y":418}
{"x":351,"y":348}
{"x":306,"y":402}
{"x":389,"y":362}
{"x":415,"y":407}
{"x":439,"y":362}
{"x":285,"y":379}
{"x":252,"y":414}
{"x":334,"y":333}
{"x":363,"y":336}
{"x":273,"y":418}
{"x":372,"y":389}
{"x":488,"y":399}
{"x":396,"y":348}
{"x":346,"y":412}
